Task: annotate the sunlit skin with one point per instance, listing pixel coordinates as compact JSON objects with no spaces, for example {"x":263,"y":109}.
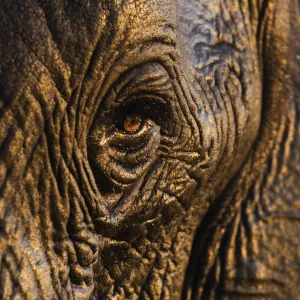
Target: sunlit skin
{"x":149,"y":149}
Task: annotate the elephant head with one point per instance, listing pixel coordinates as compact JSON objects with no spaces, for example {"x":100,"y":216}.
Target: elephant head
{"x":148,"y":148}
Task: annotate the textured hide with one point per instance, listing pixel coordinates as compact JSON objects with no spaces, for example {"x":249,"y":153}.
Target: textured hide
{"x":149,"y":149}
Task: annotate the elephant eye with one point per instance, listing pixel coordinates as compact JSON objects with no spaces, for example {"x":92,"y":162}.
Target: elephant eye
{"x":131,"y":117}
{"x":132,"y":123}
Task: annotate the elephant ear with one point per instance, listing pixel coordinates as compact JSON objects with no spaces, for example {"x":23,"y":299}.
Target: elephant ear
{"x":24,"y":266}
{"x":248,"y":245}
{"x":47,"y":249}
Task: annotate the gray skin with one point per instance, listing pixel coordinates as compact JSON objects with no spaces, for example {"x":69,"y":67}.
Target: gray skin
{"x":201,"y":202}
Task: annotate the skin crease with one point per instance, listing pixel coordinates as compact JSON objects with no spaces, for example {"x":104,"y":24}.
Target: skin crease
{"x":195,"y":204}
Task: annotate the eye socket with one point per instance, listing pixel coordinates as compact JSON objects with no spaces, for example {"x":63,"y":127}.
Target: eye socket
{"x":132,"y":123}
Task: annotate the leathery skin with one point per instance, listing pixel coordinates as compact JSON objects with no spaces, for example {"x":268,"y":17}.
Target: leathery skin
{"x":149,"y":149}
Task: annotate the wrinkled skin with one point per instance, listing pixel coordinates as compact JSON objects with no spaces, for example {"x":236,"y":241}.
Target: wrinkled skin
{"x":202,"y":201}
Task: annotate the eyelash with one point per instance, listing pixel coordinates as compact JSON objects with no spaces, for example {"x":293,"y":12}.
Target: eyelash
{"x":144,"y":109}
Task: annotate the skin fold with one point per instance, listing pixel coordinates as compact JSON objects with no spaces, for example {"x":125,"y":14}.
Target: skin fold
{"x":149,"y":149}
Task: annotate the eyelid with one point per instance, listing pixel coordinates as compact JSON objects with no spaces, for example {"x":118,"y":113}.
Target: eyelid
{"x":140,"y":101}
{"x":143,"y":79}
{"x":146,"y":106}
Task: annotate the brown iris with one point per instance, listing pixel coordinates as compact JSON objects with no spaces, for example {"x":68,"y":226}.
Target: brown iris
{"x":132,"y":123}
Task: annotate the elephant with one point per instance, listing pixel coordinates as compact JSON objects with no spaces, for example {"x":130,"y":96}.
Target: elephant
{"x":149,"y":149}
